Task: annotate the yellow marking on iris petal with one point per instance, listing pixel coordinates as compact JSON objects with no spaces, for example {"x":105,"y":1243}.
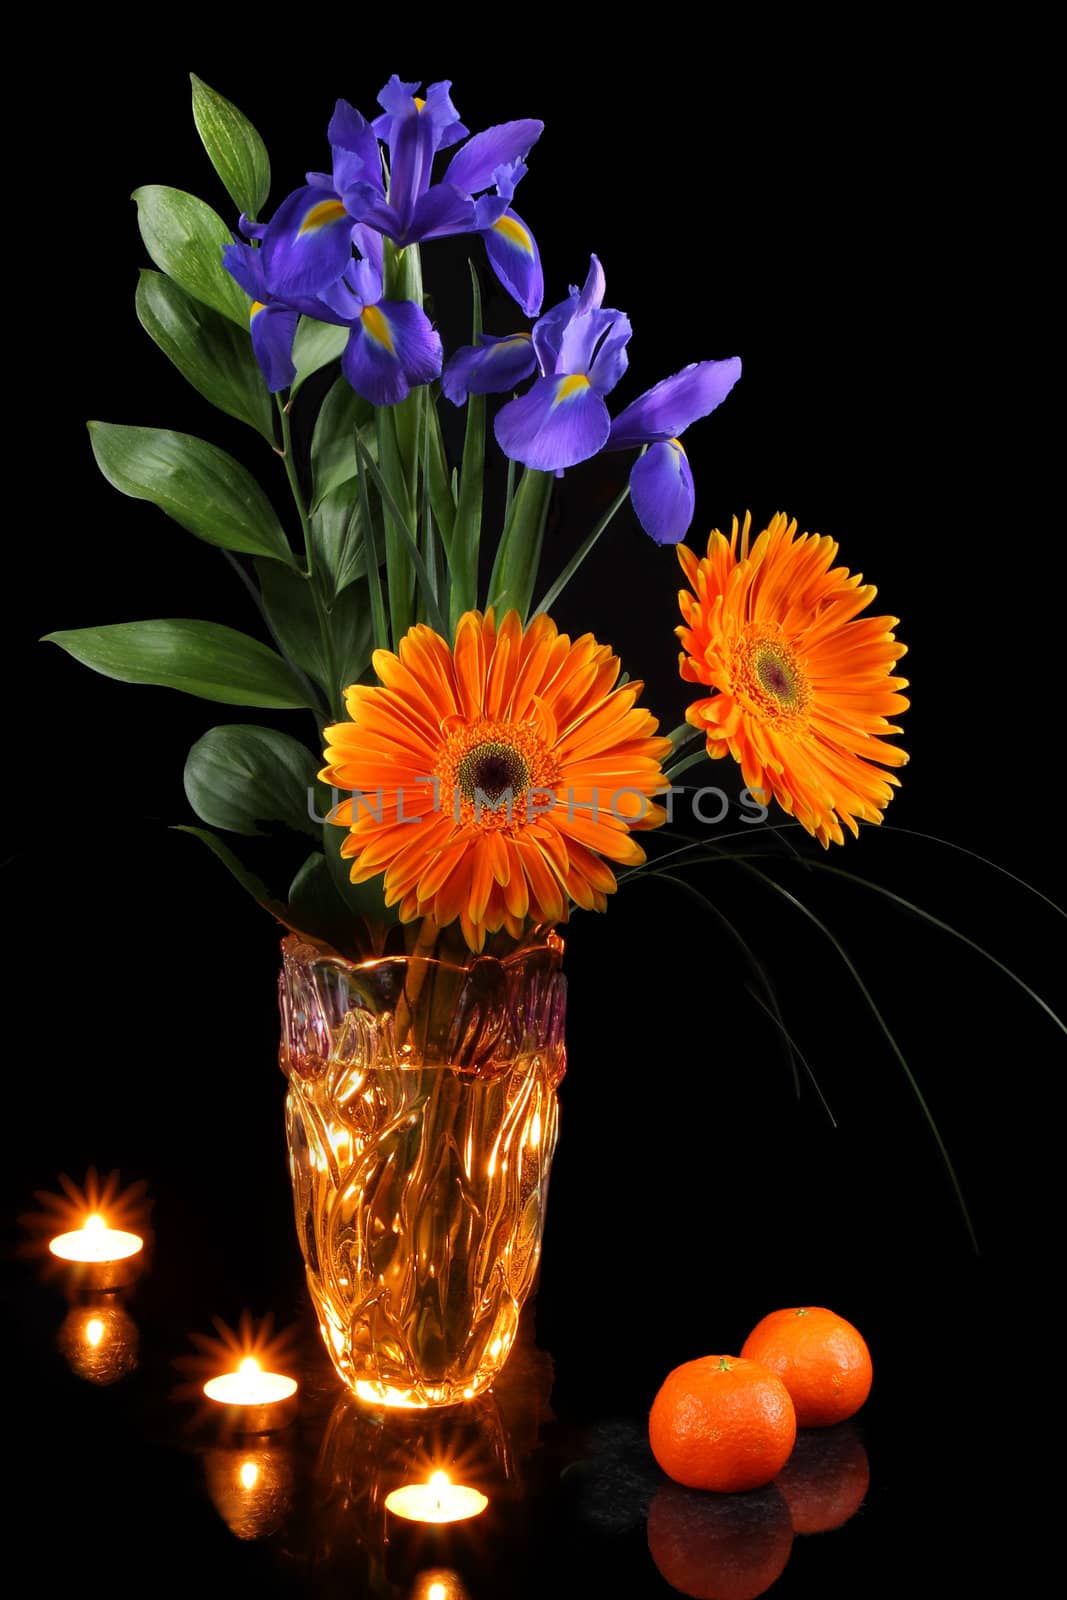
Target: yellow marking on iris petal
{"x":512,"y":338}
{"x":322,"y":215}
{"x":572,"y":385}
{"x":514,"y":232}
{"x":678,"y":445}
{"x":256,"y":307}
{"x":375,"y":324}
{"x":419,"y":104}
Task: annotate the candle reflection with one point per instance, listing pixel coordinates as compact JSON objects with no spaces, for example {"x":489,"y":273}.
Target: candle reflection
{"x":251,"y":1486}
{"x":439,"y":1583}
{"x":99,"y":1342}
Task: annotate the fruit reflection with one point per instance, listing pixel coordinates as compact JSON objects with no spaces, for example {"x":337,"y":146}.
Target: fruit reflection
{"x":251,"y":1486}
{"x":99,"y":1341}
{"x":719,"y":1546}
{"x":825,"y":1480}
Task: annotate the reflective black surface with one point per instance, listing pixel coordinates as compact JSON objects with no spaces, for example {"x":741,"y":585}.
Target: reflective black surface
{"x":821,"y":223}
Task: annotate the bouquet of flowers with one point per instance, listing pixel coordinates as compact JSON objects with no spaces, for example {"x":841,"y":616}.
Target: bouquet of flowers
{"x":469,"y":775}
{"x":495,"y":771}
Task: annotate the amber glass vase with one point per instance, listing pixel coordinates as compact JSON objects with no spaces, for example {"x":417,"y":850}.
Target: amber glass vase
{"x":422,"y":1117}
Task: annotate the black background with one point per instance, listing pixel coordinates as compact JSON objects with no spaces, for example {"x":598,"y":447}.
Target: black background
{"x":849,"y":236}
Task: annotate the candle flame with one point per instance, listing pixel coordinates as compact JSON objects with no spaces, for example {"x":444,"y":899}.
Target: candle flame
{"x":439,"y":1480}
{"x":249,"y":1365}
{"x":249,"y":1474}
{"x":95,"y":1226}
{"x":94,"y":1331}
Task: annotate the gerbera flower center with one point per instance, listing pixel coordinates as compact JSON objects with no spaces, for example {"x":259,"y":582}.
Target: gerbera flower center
{"x":487,"y":769}
{"x":776,"y":675}
{"x":768,"y":669}
{"x":492,"y":768}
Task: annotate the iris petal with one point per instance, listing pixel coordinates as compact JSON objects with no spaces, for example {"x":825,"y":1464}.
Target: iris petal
{"x":439,"y":212}
{"x":583,"y":336}
{"x":666,"y":410}
{"x":516,"y":260}
{"x":494,"y":367}
{"x":661,"y":488}
{"x":473,"y":168}
{"x":351,"y":135}
{"x":273,"y":328}
{"x":245,"y":266}
{"x":611,"y":358}
{"x":411,"y":149}
{"x":308,"y":243}
{"x":391,"y":347}
{"x":559,"y":422}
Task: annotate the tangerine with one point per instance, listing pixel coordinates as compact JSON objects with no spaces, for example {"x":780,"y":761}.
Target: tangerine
{"x":722,"y":1423}
{"x":822,"y":1360}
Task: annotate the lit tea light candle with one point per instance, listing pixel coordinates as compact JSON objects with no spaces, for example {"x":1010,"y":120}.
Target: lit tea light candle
{"x":254,"y":1401}
{"x":437,"y":1501}
{"x":101,"y":1257}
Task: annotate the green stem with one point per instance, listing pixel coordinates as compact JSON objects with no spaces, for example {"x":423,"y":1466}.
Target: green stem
{"x":902,"y":1062}
{"x":294,"y":481}
{"x":374,"y":576}
{"x":582,"y":551}
{"x":321,"y":614}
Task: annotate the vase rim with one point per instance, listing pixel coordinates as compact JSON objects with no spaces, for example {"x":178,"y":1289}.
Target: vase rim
{"x":301,"y":949}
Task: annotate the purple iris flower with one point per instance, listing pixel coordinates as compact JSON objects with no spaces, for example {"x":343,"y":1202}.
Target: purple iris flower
{"x":661,"y":482}
{"x":415,"y":130}
{"x":509,"y":244}
{"x":581,"y":354}
{"x":492,"y":366}
{"x":391,"y":344}
{"x":272,"y":323}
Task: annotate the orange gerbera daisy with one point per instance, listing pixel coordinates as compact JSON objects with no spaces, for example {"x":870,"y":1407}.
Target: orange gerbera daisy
{"x":802,"y":685}
{"x":490,"y":780}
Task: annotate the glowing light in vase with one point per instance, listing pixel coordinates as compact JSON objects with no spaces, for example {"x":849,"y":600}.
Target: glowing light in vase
{"x":439,"y":1500}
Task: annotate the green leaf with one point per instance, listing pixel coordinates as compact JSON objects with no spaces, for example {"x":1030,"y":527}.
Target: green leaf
{"x":290,"y":607}
{"x":208,"y":351}
{"x":365,"y":900}
{"x":519,"y":552}
{"x":185,"y":239}
{"x":234,"y":148}
{"x":237,"y":776}
{"x":333,"y":444}
{"x":315,"y":346}
{"x":296,"y":920}
{"x":201,"y":658}
{"x":317,"y":906}
{"x":248,"y":880}
{"x":336,"y":533}
{"x":200,"y":486}
{"x":438,"y":486}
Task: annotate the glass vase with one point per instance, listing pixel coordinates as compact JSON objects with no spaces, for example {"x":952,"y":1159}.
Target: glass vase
{"x":421,"y":1118}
